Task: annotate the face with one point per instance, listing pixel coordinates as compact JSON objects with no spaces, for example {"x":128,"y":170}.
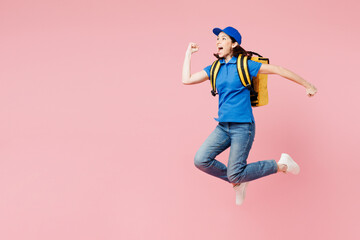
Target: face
{"x":224,"y":45}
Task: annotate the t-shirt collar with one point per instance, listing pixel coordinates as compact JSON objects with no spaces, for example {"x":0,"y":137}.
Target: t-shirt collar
{"x":232,"y":60}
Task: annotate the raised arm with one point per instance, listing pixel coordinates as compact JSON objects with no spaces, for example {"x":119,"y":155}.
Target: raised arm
{"x":273,"y":69}
{"x":195,"y":78}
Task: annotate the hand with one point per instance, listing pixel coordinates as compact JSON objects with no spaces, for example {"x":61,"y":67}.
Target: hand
{"x":311,"y":90}
{"x":193,"y":47}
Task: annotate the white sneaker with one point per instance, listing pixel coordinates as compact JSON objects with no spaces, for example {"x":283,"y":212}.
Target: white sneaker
{"x":240,"y":191}
{"x":292,"y":166}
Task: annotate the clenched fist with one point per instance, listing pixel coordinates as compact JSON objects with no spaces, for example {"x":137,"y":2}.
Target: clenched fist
{"x":193,"y":47}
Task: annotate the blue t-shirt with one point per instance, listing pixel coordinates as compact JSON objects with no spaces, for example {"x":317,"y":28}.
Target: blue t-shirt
{"x":234,"y":98}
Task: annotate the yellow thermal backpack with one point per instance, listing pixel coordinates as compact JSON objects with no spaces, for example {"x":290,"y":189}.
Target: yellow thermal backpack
{"x":257,"y":85}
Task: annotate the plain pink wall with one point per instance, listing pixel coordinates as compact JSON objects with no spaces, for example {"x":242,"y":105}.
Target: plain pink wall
{"x":98,"y":133}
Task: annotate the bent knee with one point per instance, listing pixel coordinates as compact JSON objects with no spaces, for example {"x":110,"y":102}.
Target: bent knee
{"x":200,"y":160}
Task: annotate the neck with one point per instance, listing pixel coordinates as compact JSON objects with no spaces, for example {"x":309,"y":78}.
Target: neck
{"x":228,"y":57}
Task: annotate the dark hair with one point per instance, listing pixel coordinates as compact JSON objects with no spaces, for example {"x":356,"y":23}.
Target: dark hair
{"x":236,"y":50}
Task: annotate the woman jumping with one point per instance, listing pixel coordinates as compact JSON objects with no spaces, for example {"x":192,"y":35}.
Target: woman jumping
{"x":236,"y":127}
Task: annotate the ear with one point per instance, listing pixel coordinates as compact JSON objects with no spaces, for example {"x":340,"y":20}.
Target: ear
{"x":234,"y":44}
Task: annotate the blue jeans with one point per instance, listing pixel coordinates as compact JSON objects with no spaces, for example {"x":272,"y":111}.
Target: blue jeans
{"x":240,"y":137}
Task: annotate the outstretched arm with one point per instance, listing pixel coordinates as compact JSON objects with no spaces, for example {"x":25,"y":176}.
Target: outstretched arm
{"x":273,"y":69}
{"x":198,"y":77}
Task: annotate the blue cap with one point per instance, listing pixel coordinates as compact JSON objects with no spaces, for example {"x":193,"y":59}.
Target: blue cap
{"x":232,"y":32}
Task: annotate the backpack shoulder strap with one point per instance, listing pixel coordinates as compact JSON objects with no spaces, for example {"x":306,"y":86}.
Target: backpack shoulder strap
{"x":243,"y":71}
{"x":214,"y":70}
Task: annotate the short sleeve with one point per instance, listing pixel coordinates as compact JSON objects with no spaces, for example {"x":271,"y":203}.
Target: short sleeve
{"x":254,"y":68}
{"x":207,"y":70}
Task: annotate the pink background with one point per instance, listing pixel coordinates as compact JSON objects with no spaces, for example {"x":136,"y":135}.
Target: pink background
{"x":98,"y":133}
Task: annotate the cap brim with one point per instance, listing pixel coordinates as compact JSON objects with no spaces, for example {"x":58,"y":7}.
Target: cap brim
{"x":216,"y":31}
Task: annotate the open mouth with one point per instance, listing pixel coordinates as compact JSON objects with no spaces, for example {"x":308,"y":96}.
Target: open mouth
{"x":220,"y":49}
